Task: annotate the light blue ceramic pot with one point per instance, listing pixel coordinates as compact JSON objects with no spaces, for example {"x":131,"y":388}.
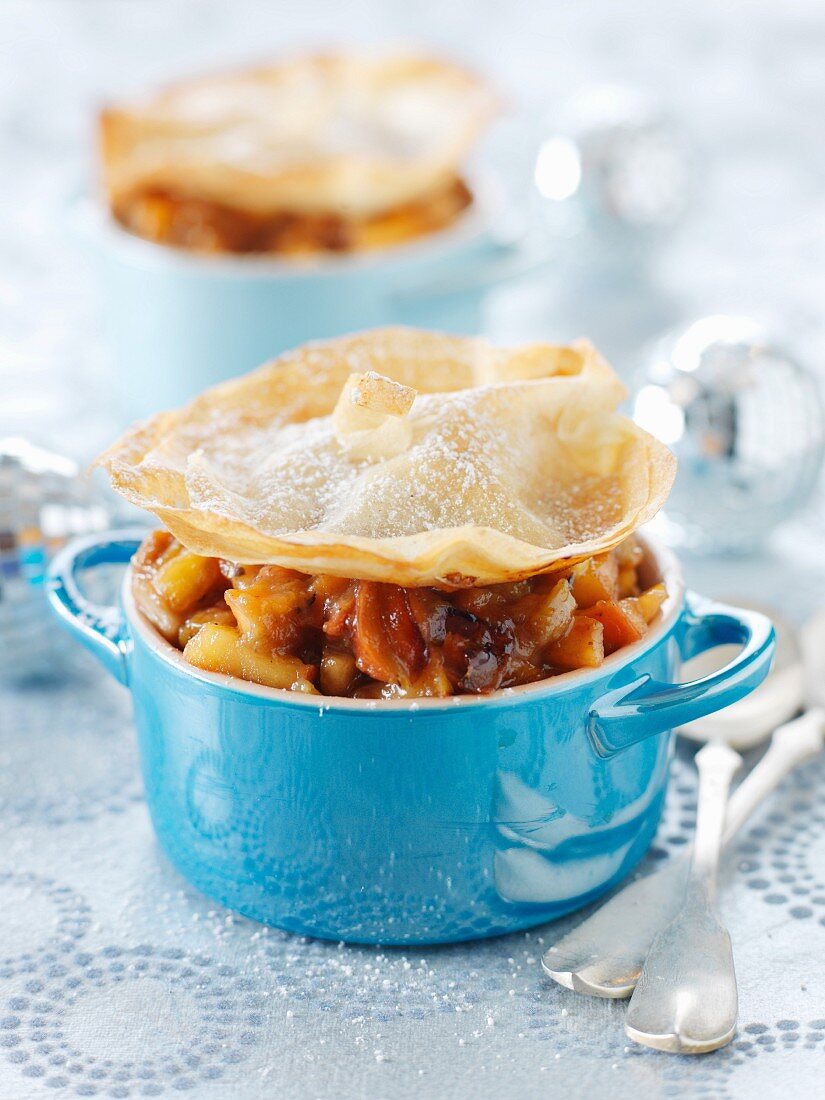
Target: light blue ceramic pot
{"x":410,"y":822}
{"x":178,"y":322}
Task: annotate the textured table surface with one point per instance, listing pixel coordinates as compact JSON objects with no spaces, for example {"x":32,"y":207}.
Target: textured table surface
{"x":116,"y":978}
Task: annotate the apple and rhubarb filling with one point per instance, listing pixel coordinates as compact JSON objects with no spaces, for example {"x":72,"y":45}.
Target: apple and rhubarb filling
{"x":317,"y":633}
{"x":202,"y":225}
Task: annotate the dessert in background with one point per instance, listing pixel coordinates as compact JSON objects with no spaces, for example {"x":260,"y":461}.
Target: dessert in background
{"x":317,"y":155}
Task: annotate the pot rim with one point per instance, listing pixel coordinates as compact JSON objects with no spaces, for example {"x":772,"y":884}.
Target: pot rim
{"x":667,"y":568}
{"x":93,"y":219}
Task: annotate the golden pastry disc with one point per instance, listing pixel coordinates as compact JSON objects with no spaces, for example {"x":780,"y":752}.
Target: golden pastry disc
{"x":480,"y":465}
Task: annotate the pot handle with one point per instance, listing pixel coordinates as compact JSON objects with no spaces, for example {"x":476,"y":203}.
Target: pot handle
{"x":646,"y":707}
{"x":101,"y":629}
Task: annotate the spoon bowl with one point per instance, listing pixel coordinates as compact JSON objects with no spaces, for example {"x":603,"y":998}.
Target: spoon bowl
{"x":687,"y":985}
{"x":685,"y":1000}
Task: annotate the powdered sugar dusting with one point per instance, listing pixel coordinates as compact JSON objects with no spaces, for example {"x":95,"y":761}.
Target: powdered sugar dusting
{"x":464,"y":467}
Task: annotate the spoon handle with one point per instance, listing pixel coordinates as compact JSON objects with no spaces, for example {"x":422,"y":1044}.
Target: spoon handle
{"x":717,"y":764}
{"x":791,"y":745}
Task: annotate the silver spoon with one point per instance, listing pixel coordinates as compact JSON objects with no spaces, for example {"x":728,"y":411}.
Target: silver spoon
{"x":686,"y":1000}
{"x":604,"y":955}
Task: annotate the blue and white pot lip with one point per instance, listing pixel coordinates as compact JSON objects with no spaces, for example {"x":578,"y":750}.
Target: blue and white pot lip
{"x":93,"y":220}
{"x":666,"y":567}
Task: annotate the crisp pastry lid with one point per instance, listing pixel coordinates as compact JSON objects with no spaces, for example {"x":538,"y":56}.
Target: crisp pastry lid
{"x":475,"y":465}
{"x":338,"y":133}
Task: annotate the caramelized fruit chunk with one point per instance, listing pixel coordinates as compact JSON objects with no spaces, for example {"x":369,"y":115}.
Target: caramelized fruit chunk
{"x":476,"y":651}
{"x":546,"y":617}
{"x":328,"y":590}
{"x":145,"y":565}
{"x":217,"y":648}
{"x":648,"y":603}
{"x":218,"y":613}
{"x":337,"y":672}
{"x":626,"y":583}
{"x":629,"y":553}
{"x":185,"y":578}
{"x":595,"y":579}
{"x":433,"y":681}
{"x":339,"y":612}
{"x":430,"y":609}
{"x":387,"y":642}
{"x":269,"y":608}
{"x":581,"y":647}
{"x":622,"y":622}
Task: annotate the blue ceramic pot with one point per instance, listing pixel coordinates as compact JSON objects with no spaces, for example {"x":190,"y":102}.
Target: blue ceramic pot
{"x":410,"y":821}
{"x":178,"y":322}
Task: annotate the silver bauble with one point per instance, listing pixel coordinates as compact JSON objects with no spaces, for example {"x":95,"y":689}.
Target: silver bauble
{"x":613,"y":167}
{"x":44,"y":501}
{"x":746,"y":423}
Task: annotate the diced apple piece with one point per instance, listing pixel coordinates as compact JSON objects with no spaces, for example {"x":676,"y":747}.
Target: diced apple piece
{"x":185,"y":578}
{"x":372,"y":690}
{"x":547,"y":617}
{"x":594,"y":580}
{"x":155,"y":608}
{"x":340,"y":613}
{"x":648,"y":602}
{"x":511,"y":590}
{"x":627,"y":582}
{"x":144,"y":567}
{"x":327,"y":589}
{"x":258,"y":611}
{"x":268,"y":612}
{"x":581,"y":647}
{"x":305,"y":687}
{"x":433,"y":681}
{"x":338,"y":670}
{"x":430,"y":608}
{"x":372,"y":649}
{"x":241,"y":576}
{"x":220,"y":614}
{"x":217,"y":648}
{"x":629,"y":553}
{"x":152,"y":549}
{"x":622,"y":622}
